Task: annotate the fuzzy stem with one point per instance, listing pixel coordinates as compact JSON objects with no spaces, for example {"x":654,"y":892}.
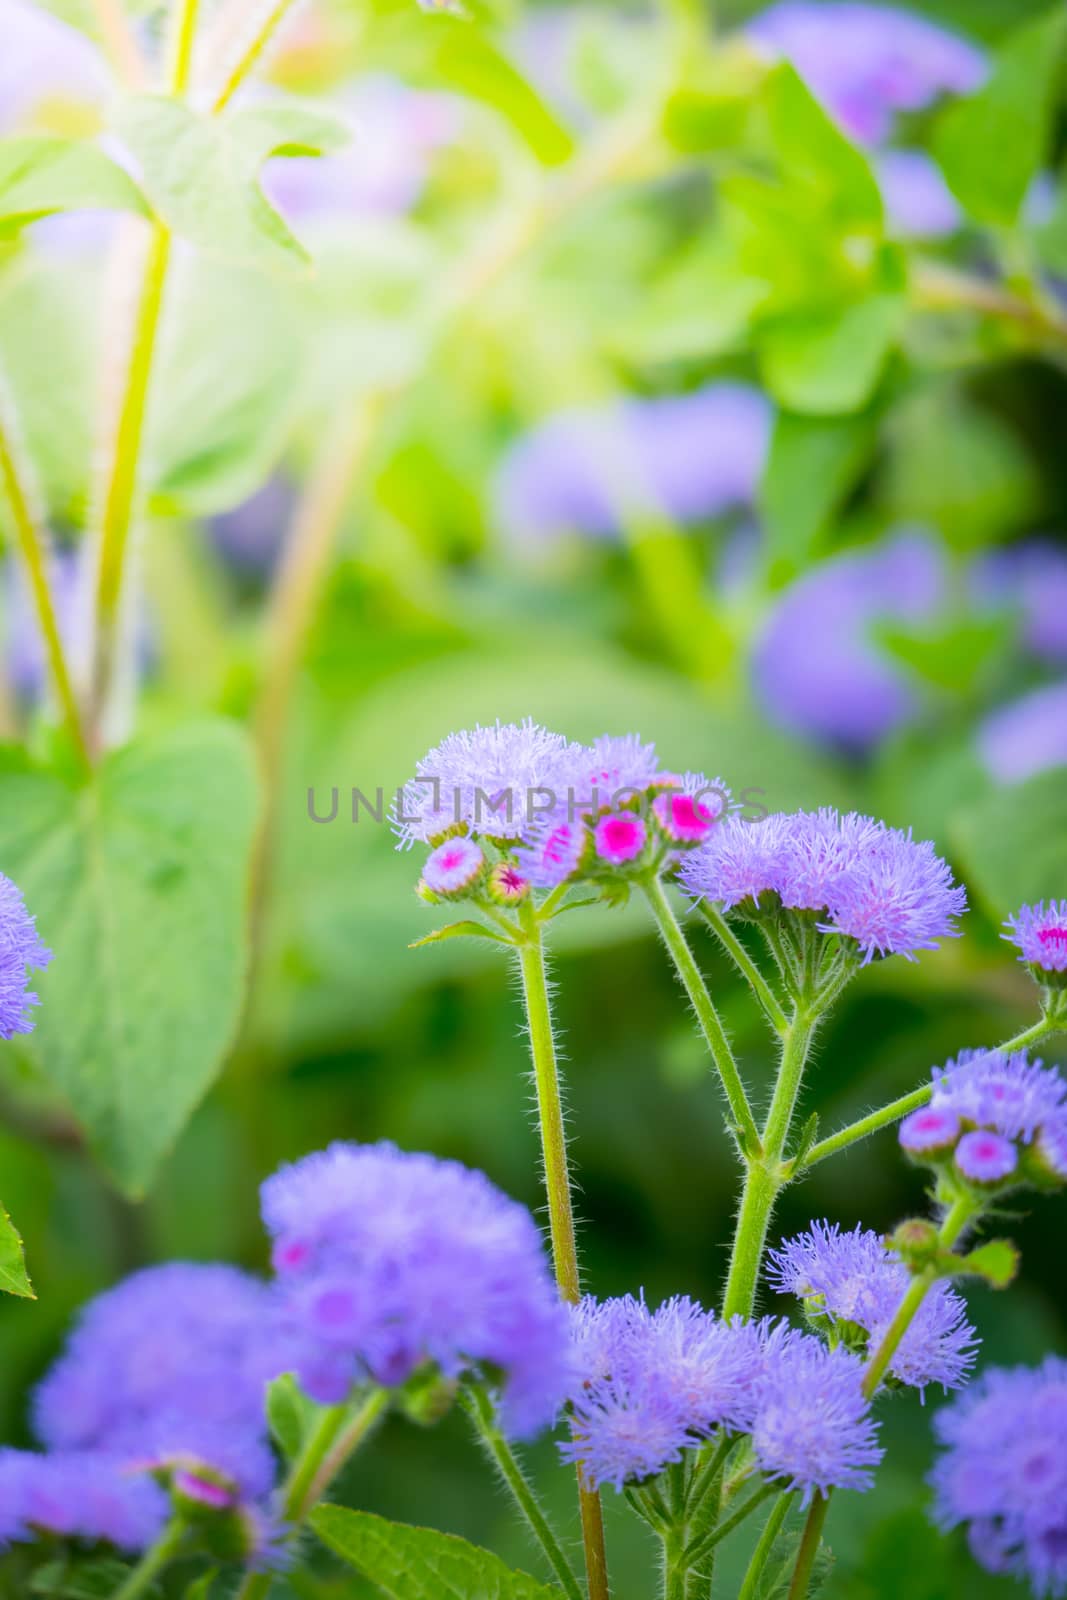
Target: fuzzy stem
{"x":705,"y":1545}
{"x":745,"y":965}
{"x":251,"y":55}
{"x":31,"y":541}
{"x":809,"y":1547}
{"x":557,"y":1184}
{"x":479,"y":1408}
{"x":337,"y":1435}
{"x":157,"y":1557}
{"x":760,"y":1556}
{"x":876,"y":1120}
{"x":710,"y":1025}
{"x":182,"y":47}
{"x":764,"y":1177}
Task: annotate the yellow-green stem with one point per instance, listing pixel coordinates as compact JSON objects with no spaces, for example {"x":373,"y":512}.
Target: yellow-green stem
{"x":252,"y":54}
{"x":558,"y":1187}
{"x":182,"y":47}
{"x":32,"y":544}
{"x":155,"y":1559}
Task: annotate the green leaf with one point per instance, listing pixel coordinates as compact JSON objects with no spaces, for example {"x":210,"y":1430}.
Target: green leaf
{"x":82,"y":1580}
{"x":13,"y":1279}
{"x":40,"y":175}
{"x":826,"y":361}
{"x":200,"y":1588}
{"x":956,"y":656}
{"x":201,"y":172}
{"x":138,"y":881}
{"x":461,"y":930}
{"x":997,"y":1261}
{"x":992,"y":145}
{"x":464,"y":59}
{"x":776,"y":1578}
{"x":1012,"y":844}
{"x":289,"y":1412}
{"x":813,"y":464}
{"x":816,"y":159}
{"x":409,"y":1563}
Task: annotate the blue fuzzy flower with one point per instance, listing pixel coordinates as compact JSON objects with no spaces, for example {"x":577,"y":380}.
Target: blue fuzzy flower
{"x":21,"y":951}
{"x":813,"y":1428}
{"x":77,"y":1495}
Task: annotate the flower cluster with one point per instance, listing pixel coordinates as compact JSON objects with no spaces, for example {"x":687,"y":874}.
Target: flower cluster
{"x":852,"y":1285}
{"x":994,"y":1120}
{"x":875,"y":885}
{"x":389,"y":1262}
{"x":1039,"y":933}
{"x":1003,"y":1472}
{"x":21,"y":952}
{"x":80,"y":1495}
{"x":516,"y":807}
{"x":649,"y":1385}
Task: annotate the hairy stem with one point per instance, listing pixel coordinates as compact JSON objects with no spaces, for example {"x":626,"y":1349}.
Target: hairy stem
{"x":764,"y":1177}
{"x":558,"y":1187}
{"x":809,"y":1547}
{"x":479,"y":1408}
{"x":745,"y":965}
{"x":155,"y":1559}
{"x":710,"y":1025}
{"x":705,"y":1545}
{"x":760,"y":1556}
{"x":252,"y":54}
{"x":32,"y":542}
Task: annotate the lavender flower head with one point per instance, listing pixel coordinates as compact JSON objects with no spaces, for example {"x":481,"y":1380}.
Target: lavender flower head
{"x":21,"y":951}
{"x":918,"y":201}
{"x":1031,"y":578}
{"x":1005,"y":1093}
{"x":1003,"y":1472}
{"x":77,"y":1495}
{"x":1026,"y":737}
{"x":890,"y":893}
{"x":817,"y":666}
{"x":649,"y":1385}
{"x":1039,"y":933}
{"x":868,"y":63}
{"x":168,"y":1370}
{"x":49,"y":72}
{"x":389,"y":1261}
{"x":685,"y":457}
{"x":851,"y":1278}
{"x":813,"y":1428}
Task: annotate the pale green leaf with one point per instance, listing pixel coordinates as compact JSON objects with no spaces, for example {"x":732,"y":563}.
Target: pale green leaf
{"x":997,"y":1261}
{"x":408,"y":1563}
{"x":40,"y":175}
{"x":461,"y":930}
{"x":138,"y":881}
{"x":830,"y":361}
{"x":992,"y":145}
{"x":1012,"y":845}
{"x":812,"y":465}
{"x":289,"y":1412}
{"x":13,"y":1279}
{"x":95,"y":1578}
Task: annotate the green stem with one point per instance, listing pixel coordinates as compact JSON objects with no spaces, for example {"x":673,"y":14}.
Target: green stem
{"x":809,"y":1547}
{"x":251,"y":55}
{"x":31,"y":541}
{"x":876,"y":1120}
{"x":182,"y":47}
{"x":764,"y":1177}
{"x":760,"y":1556}
{"x":702,"y":1547}
{"x":557,"y":1184}
{"x":692,"y":981}
{"x":675,"y":1565}
{"x":745,"y":965}
{"x":157,"y":1557}
{"x":479,"y":1408}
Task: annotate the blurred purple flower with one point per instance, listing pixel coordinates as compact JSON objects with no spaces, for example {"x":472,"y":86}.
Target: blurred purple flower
{"x":396,"y":132}
{"x":21,"y":952}
{"x":250,"y":538}
{"x":1030,"y":578}
{"x":1039,"y":933}
{"x":918,"y":201}
{"x":68,"y":574}
{"x":389,"y":1261}
{"x":685,"y":457}
{"x":851,"y":1277}
{"x":648,"y":1385}
{"x":1003,"y":1472}
{"x":986,"y":1157}
{"x":813,"y":1427}
{"x":77,"y":1494}
{"x":817,"y":667}
{"x":1005,"y":1093}
{"x":932,"y":1130}
{"x":453,"y":867}
{"x":1026,"y":737}
{"x":50,"y":74}
{"x":868,"y":63}
{"x":552,"y":852}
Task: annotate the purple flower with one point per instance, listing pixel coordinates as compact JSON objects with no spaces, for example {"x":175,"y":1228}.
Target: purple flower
{"x":21,"y":951}
{"x":1005,"y":1094}
{"x":813,"y":1427}
{"x":891,"y":893}
{"x":852,"y":1278}
{"x":1050,"y":1148}
{"x":932,"y":1130}
{"x":77,"y":1495}
{"x":1031,"y":578}
{"x":396,"y":133}
{"x":918,"y":201}
{"x":1039,"y":933}
{"x":494,"y":779}
{"x":868,"y":63}
{"x":1003,"y":1472}
{"x":817,"y":666}
{"x":250,"y":538}
{"x":169,"y":1369}
{"x":553,"y":853}
{"x":1027,"y":736}
{"x":985,"y":1157}
{"x":47,"y":68}
{"x":685,"y":457}
{"x":453,"y":867}
{"x":389,"y":1261}
{"x":620,"y":766}
{"x":647,"y":1385}
{"x":689,"y":807}
{"x":619,"y":838}
{"x":68,"y":574}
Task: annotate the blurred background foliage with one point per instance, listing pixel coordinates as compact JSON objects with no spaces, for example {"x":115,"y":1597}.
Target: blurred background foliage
{"x":527,"y":222}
